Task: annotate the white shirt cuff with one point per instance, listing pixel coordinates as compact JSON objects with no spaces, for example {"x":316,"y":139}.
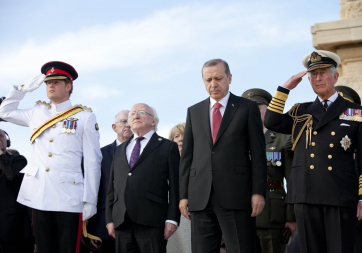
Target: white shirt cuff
{"x":172,"y":222}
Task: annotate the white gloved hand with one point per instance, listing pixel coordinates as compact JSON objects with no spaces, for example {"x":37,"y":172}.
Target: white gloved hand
{"x":89,"y":210}
{"x":32,"y":84}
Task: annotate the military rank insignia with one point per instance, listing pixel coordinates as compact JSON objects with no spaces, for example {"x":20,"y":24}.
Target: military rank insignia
{"x":69,"y":125}
{"x":351,"y":115}
{"x":345,"y":142}
{"x":274,"y":158}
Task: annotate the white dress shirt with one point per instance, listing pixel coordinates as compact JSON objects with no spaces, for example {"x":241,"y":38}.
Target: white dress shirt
{"x":53,"y":178}
{"x":330,"y":100}
{"x":143,"y":144}
{"x":118,"y":142}
{"x":223,"y":102}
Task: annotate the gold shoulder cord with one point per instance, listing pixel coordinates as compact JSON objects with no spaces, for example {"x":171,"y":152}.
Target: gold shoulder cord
{"x":308,"y":124}
{"x":85,"y":233}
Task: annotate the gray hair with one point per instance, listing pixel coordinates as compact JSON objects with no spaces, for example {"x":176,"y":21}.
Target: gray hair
{"x":214,"y":62}
{"x":155,"y":116}
{"x":115,"y":119}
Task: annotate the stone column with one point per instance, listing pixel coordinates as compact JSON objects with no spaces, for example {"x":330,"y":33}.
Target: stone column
{"x":344,"y":37}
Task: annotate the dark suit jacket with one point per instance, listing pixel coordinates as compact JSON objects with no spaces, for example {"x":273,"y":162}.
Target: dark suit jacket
{"x":14,"y":217}
{"x":226,"y":166}
{"x":276,"y":212}
{"x":338,"y":186}
{"x":148,"y":191}
{"x":97,"y":224}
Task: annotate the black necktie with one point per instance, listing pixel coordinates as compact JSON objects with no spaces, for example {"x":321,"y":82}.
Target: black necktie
{"x":325,"y":104}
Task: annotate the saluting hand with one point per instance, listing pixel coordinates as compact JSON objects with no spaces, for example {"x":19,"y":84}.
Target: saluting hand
{"x":257,"y":204}
{"x":32,"y":84}
{"x":294,"y":80}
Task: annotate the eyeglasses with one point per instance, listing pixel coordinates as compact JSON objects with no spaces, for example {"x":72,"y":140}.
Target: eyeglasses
{"x":140,"y":113}
{"x":121,"y":121}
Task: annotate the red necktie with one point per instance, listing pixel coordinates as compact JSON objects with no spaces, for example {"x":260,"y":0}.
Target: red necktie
{"x":216,"y":121}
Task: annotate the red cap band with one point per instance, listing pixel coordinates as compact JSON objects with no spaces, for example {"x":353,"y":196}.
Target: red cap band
{"x":59,"y":71}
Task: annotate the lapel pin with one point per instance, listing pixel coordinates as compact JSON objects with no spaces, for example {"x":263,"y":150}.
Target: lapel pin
{"x":160,"y":139}
{"x":232,"y":105}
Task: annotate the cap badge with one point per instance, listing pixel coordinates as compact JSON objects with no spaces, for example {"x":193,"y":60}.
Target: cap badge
{"x":250,"y":94}
{"x":345,"y":142}
{"x":315,"y":57}
{"x":340,"y":93}
{"x":52,"y":70}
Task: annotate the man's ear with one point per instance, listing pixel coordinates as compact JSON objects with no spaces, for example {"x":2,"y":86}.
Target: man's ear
{"x":68,"y":86}
{"x":114,"y":127}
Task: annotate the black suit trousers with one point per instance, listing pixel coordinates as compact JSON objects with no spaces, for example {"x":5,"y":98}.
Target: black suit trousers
{"x":325,"y":228}
{"x":208,"y":225}
{"x":136,"y":238}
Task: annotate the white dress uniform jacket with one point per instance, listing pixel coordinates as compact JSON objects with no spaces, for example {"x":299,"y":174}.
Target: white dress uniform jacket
{"x":53,"y":179}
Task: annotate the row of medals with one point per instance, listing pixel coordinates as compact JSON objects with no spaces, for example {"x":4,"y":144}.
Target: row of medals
{"x":351,"y":115}
{"x":273,"y":158}
{"x":69,"y":126}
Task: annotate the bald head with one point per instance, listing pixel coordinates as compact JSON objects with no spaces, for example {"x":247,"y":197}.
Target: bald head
{"x":142,"y":119}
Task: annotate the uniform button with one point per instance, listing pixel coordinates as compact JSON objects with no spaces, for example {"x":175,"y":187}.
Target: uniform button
{"x":54,"y":126}
{"x":47,"y":169}
{"x":329,"y":168}
{"x":129,"y":174}
{"x":313,"y":143}
{"x":311,"y":167}
{"x":213,"y":152}
{"x":27,"y":174}
{"x":330,"y":156}
{"x":333,"y":133}
{"x":312,"y":155}
{"x":50,"y":140}
{"x":50,"y":155}
{"x":315,"y":132}
{"x":331,"y":145}
{"x":73,"y":182}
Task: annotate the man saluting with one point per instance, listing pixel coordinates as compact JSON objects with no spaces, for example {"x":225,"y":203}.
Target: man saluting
{"x":62,"y":135}
{"x":325,"y":133}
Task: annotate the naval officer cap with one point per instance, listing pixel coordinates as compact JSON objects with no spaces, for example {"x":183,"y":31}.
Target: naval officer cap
{"x":348,"y":94}
{"x":258,"y":95}
{"x":320,"y":59}
{"x":57,"y":70}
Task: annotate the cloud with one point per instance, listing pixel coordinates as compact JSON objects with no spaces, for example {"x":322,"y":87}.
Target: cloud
{"x":184,"y":30}
{"x":95,"y":92}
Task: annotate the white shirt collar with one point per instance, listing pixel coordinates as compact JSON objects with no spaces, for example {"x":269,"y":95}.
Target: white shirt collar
{"x":223,"y":101}
{"x":147,"y":136}
{"x":61,"y":107}
{"x":118,"y":142}
{"x":331,"y":99}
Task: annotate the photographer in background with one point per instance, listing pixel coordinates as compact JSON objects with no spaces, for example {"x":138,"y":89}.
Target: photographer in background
{"x":15,"y":228}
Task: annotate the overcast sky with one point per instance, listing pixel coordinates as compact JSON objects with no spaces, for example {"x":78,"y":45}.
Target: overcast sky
{"x":127,"y":52}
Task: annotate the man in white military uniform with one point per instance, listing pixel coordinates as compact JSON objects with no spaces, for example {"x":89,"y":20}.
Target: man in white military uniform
{"x":54,"y":185}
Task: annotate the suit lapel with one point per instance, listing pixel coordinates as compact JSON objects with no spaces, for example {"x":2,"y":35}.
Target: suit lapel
{"x":338,"y":107}
{"x":151,"y":145}
{"x":316,"y":109}
{"x":112,"y":148}
{"x":205,"y":118}
{"x":230,"y":110}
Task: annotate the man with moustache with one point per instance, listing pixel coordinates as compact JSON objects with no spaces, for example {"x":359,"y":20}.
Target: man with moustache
{"x":62,"y":137}
{"x":142,"y":199}
{"x":123,"y":131}
{"x":222,"y":168}
{"x":325,"y":133}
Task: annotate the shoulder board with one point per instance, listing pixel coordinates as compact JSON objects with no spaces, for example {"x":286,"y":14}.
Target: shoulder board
{"x":44,"y":103}
{"x":85,"y":107}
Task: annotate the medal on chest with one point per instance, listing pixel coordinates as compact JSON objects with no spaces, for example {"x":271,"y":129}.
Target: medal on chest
{"x":274,"y":158}
{"x":69,"y":125}
{"x":345,"y":142}
{"x":351,"y":114}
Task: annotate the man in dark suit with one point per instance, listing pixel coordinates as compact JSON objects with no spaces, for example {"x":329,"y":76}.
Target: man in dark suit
{"x":15,"y":223}
{"x":123,"y":131}
{"x":325,"y":133}
{"x":276,"y":222}
{"x":222,"y":168}
{"x":142,"y":199}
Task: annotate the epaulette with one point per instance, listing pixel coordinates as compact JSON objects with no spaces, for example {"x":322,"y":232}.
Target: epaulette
{"x":44,"y":103}
{"x":85,"y":107}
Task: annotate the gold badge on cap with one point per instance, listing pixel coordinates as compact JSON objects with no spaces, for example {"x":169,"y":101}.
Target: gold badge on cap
{"x":250,"y":94}
{"x":345,"y":142}
{"x":97,"y":127}
{"x":52,"y":70}
{"x":315,"y":57}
